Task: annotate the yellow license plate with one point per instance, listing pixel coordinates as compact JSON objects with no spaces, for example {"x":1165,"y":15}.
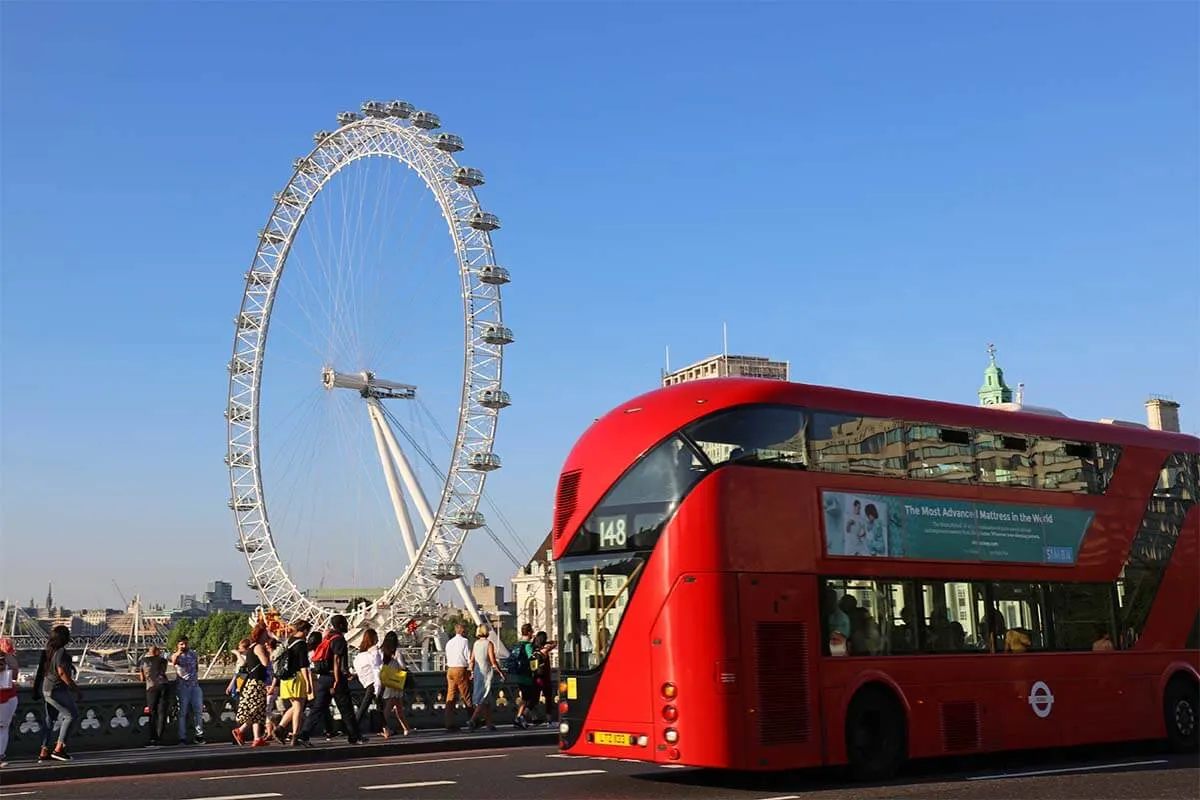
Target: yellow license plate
{"x":618,"y":739}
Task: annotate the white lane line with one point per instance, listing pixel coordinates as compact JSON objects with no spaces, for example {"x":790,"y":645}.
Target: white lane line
{"x":673,"y":766}
{"x":559,"y":755}
{"x":414,"y":785}
{"x":340,"y":769}
{"x":1066,"y":770}
{"x":563,"y":774}
{"x":16,"y":794}
{"x":784,"y":797}
{"x":239,"y":796}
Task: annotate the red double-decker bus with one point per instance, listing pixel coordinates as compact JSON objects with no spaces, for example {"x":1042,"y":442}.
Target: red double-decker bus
{"x":763,"y":575}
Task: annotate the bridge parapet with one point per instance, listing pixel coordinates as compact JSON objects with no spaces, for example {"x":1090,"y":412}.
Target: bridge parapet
{"x":111,"y":715}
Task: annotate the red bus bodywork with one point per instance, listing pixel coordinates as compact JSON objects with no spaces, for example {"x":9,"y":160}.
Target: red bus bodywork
{"x":743,"y":550}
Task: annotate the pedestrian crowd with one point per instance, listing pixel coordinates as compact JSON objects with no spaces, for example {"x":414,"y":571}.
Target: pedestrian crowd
{"x":284,"y":690}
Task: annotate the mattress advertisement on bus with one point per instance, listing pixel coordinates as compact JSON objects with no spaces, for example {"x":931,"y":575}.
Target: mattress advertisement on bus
{"x":895,"y":526}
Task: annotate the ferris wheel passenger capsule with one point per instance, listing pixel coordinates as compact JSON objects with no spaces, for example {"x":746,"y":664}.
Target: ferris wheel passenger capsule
{"x":447,"y":571}
{"x":247,"y":547}
{"x":348,"y":117}
{"x":448,"y":142}
{"x":468,"y":176}
{"x":426,"y":120}
{"x":468,"y":520}
{"x":400,"y":109}
{"x":483,"y":221}
{"x":321,"y":136}
{"x":494,"y":399}
{"x":374,"y":108}
{"x":498,"y":334}
{"x":497,"y":276}
{"x":484,"y":462}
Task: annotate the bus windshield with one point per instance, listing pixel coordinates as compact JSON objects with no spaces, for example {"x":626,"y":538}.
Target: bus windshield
{"x":594,"y":593}
{"x":632,"y":514}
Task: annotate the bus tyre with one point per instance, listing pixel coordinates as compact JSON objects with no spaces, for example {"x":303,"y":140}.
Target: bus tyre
{"x":1181,"y":710}
{"x":876,"y":739}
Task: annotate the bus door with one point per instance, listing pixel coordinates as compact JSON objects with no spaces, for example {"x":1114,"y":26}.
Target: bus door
{"x":781,"y":643}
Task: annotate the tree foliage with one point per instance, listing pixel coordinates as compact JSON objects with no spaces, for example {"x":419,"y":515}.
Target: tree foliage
{"x":218,"y":632}
{"x":460,"y":619}
{"x":355,"y":603}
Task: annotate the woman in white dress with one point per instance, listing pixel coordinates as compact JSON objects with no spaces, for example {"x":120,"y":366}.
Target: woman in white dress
{"x":485,"y":671}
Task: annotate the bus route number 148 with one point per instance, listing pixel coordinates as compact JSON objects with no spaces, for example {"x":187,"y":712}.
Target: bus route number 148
{"x":612,"y":533}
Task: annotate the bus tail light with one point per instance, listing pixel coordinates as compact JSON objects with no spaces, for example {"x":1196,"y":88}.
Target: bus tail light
{"x":669,"y":691}
{"x":671,"y":735}
{"x":670,"y":713}
{"x":562,"y":688}
{"x":673,"y":753}
{"x":562,"y":707}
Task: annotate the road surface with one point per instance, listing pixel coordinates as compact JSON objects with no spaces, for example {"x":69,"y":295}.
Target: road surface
{"x":521,"y":773}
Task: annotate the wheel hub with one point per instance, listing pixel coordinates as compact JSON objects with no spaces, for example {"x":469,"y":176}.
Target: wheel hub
{"x":1185,"y":718}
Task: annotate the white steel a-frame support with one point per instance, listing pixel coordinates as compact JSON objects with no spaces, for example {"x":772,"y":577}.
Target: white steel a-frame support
{"x":395,"y":458}
{"x":378,"y":426}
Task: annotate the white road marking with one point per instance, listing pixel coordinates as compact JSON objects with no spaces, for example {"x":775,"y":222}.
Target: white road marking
{"x":559,"y":755}
{"x":414,"y":785}
{"x":1066,"y":770}
{"x":239,"y":796}
{"x":340,"y":769}
{"x":673,"y":766}
{"x":16,"y":794}
{"x":563,"y":774}
{"x":784,"y":797}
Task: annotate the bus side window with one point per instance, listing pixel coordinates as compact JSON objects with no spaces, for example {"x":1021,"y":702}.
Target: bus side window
{"x":940,"y":454}
{"x":857,"y":444}
{"x":1003,"y":459}
{"x":1021,"y":608}
{"x":1082,"y":615}
{"x":949,"y":616}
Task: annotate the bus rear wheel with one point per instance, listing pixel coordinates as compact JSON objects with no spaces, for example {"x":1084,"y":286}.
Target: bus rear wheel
{"x":1181,"y":710}
{"x":876,"y":743}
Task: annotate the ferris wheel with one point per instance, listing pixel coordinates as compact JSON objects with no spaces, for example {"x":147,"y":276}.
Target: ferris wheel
{"x":342,"y":487}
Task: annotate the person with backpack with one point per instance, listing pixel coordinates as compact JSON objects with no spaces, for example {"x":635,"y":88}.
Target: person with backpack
{"x":290,"y":664}
{"x":519,"y":667}
{"x":331,"y":665}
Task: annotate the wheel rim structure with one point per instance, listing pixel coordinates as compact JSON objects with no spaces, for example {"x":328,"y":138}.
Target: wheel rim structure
{"x":391,"y":130}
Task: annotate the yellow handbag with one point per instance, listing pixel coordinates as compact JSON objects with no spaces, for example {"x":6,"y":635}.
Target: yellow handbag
{"x":392,"y":677}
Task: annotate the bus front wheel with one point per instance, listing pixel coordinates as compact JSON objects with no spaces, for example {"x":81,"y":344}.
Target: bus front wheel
{"x":1181,"y":711}
{"x":875,"y":734}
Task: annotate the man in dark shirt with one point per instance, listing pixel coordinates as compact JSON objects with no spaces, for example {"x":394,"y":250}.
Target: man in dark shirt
{"x":153,"y":669}
{"x":332,"y":670}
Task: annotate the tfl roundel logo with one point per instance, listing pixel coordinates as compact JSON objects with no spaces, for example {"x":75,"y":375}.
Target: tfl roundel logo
{"x":1040,"y":699}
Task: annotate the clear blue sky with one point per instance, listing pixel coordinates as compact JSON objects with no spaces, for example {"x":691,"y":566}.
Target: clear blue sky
{"x":873,"y":192}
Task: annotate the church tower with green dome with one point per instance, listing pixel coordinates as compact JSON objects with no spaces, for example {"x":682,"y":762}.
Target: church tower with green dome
{"x":994,"y":390}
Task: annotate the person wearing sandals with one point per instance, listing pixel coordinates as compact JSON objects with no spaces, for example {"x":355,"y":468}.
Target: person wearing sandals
{"x":392,"y":699}
{"x":252,"y":704}
{"x":485,"y":671}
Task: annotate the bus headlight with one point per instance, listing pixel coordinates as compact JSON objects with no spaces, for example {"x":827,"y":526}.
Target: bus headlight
{"x":564,"y":728}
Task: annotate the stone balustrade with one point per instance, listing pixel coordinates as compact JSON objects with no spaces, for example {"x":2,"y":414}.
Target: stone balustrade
{"x":111,"y":715}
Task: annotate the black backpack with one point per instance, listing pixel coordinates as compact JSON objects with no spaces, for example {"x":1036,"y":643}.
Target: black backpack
{"x":281,"y":661}
{"x":517,"y":662}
